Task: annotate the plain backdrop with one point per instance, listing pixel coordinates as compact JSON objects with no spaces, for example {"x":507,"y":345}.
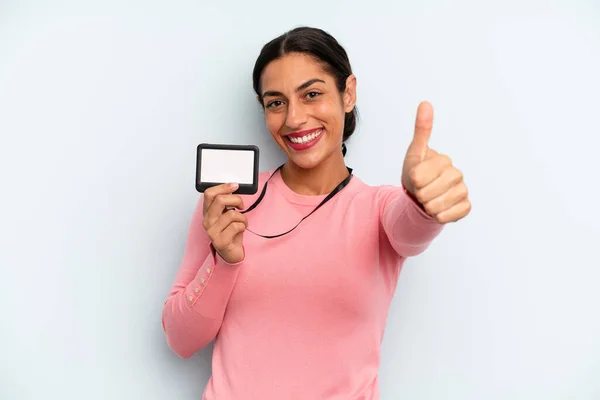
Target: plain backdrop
{"x":102,"y":105}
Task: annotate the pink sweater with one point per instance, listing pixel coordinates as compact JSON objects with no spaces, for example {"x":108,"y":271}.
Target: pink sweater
{"x":303,"y":315}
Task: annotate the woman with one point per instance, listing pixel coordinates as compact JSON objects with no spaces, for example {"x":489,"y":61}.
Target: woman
{"x":301,"y":314}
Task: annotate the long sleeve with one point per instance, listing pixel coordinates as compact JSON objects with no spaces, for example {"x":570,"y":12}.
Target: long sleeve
{"x":409,"y":229}
{"x":194,"y":309}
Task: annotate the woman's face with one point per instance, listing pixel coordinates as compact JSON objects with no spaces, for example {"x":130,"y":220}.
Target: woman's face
{"x":304,"y":111}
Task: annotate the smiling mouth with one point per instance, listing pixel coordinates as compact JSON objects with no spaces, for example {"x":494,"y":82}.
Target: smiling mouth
{"x":306,"y":138}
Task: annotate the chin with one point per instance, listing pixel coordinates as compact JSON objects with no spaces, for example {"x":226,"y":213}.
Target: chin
{"x":312,"y":158}
{"x":305,"y":161}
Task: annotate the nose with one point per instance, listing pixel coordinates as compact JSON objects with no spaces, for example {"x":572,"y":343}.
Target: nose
{"x":296,"y":115}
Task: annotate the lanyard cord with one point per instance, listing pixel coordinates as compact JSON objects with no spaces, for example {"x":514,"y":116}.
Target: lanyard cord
{"x":335,"y":191}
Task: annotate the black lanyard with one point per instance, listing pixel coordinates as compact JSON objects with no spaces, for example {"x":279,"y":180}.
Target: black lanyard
{"x":335,"y":191}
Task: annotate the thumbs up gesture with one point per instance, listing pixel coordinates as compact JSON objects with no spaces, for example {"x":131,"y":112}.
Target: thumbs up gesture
{"x":430,"y":176}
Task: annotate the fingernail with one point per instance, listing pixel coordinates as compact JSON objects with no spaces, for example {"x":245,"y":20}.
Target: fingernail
{"x":233,"y":185}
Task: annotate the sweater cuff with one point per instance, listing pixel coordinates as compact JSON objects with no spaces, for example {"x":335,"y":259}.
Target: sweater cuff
{"x":209,"y":291}
{"x":418,"y":207}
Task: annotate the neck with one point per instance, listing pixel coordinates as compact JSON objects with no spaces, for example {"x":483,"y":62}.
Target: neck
{"x":316,"y":181}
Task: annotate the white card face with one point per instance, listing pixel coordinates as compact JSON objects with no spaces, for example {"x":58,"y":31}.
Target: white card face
{"x":225,"y":166}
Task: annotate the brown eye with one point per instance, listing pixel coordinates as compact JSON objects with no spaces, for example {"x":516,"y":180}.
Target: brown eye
{"x":312,"y":95}
{"x":275,"y":103}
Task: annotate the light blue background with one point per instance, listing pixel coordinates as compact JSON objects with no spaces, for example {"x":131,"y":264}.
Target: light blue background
{"x":102,"y":104}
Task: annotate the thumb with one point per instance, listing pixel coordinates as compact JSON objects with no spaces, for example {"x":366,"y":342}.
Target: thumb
{"x":423,"y":125}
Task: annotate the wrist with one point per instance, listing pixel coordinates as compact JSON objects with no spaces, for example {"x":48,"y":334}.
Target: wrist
{"x":217,"y":256}
{"x":412,"y":197}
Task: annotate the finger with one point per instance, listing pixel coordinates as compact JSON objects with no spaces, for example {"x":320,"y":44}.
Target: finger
{"x":211,"y":193}
{"x":431,"y":153}
{"x":429,"y":170}
{"x":446,"y":200}
{"x":227,"y":219}
{"x":447,"y":179}
{"x":455,"y":213}
{"x":226,"y":237}
{"x":422,"y":134}
{"x":219,"y":205}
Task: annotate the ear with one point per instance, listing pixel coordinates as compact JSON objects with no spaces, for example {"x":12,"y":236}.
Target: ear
{"x":350,"y":94}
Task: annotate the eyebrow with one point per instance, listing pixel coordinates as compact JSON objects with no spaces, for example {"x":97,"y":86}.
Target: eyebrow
{"x":299,"y":88}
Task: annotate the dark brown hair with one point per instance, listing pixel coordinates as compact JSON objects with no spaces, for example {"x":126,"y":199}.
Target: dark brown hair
{"x":319,"y":44}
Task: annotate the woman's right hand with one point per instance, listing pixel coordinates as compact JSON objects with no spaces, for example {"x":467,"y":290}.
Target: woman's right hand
{"x":224,"y":227}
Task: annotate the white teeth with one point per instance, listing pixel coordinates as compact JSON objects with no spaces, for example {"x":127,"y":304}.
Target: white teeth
{"x":305,"y":138}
